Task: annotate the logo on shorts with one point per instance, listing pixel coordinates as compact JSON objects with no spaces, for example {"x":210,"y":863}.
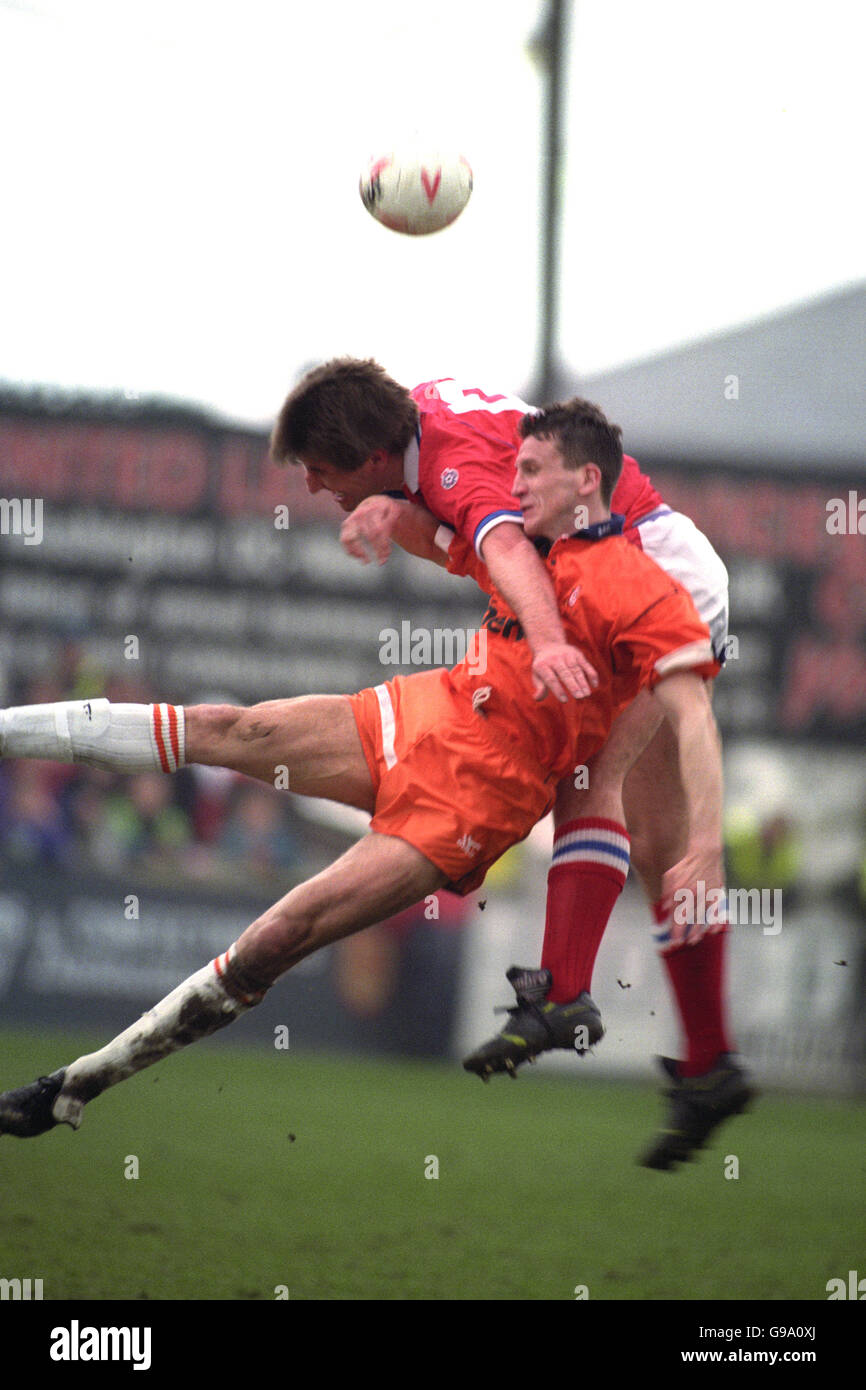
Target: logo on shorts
{"x":572,"y":598}
{"x":480,"y":696}
{"x":468,"y":845}
{"x":449,"y":477}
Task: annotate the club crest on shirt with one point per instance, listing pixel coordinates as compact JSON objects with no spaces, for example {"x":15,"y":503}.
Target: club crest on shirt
{"x":449,"y":477}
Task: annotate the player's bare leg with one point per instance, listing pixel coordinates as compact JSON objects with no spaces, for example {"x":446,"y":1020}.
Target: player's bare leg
{"x":554,"y":1007}
{"x":378,"y":877}
{"x":693,"y":959}
{"x":599,"y":792}
{"x":655,"y":811}
{"x":313,"y":738}
{"x":591,"y":851}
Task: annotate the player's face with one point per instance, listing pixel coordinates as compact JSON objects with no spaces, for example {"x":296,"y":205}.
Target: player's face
{"x":546,"y":489}
{"x":348,"y":488}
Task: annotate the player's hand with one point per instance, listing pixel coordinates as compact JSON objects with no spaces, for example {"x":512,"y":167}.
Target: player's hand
{"x":694,"y":894}
{"x":564,"y":671}
{"x":366,"y":534}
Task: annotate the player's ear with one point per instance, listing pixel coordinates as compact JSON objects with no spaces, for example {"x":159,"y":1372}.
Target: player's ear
{"x":385,"y":468}
{"x":591,"y":479}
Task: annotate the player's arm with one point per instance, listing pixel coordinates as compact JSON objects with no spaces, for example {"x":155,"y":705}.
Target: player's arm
{"x":517,"y":571}
{"x":685,"y":701}
{"x":514,"y":569}
{"x":377,"y":522}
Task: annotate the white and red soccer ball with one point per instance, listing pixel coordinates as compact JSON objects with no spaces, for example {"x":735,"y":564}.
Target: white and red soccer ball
{"x":416,"y":194}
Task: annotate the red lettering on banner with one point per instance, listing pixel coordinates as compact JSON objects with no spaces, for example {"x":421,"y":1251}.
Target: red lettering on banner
{"x":178,"y":471}
{"x":251,"y":483}
{"x":840,"y":603}
{"x":24,"y":462}
{"x":126,"y":489}
{"x":766,"y":519}
{"x":233,"y":492}
{"x":161,"y":469}
{"x":81,"y":452}
{"x":850,"y":557}
{"x":823,"y":677}
{"x":804,"y":536}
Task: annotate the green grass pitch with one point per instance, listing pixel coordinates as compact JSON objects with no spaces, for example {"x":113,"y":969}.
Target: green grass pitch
{"x":267,"y":1172}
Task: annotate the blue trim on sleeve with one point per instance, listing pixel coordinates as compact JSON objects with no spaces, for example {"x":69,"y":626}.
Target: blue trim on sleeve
{"x":516,"y":515}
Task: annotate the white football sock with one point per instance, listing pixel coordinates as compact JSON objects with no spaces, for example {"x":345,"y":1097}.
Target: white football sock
{"x":119,"y":738}
{"x":196,"y":1008}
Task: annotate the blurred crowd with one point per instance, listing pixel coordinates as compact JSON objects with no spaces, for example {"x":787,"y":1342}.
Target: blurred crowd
{"x":211,"y":825}
{"x":202,"y":823}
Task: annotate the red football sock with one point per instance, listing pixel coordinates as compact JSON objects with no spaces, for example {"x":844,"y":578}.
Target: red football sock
{"x":696,"y":974}
{"x":590,"y":864}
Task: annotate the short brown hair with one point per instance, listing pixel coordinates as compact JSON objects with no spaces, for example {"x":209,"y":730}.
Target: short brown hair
{"x":342,"y":412}
{"x":583,"y":434}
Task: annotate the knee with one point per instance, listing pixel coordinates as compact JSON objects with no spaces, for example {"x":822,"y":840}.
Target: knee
{"x":595,"y":790}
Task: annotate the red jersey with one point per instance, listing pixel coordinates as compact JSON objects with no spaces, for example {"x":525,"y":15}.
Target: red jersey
{"x":461,"y":464}
{"x":634,"y":496}
{"x":631,"y":619}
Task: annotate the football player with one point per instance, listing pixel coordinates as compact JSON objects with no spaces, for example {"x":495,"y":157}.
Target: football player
{"x":454,"y":766}
{"x":358,"y":433}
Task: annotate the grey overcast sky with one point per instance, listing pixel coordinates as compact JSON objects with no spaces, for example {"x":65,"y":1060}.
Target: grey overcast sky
{"x":181,"y":210}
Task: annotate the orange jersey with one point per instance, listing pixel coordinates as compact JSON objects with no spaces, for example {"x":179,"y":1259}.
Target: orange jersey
{"x":633,"y":622}
{"x":464,"y":762}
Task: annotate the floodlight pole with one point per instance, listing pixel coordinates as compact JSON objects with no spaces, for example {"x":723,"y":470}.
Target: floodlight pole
{"x":548,"y":47}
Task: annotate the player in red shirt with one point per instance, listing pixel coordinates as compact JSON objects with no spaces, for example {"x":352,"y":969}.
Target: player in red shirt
{"x":451,"y":446}
{"x":455,"y":767}
{"x":360,"y":434}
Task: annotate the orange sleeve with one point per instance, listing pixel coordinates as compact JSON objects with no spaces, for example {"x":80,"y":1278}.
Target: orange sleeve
{"x":665,"y":637}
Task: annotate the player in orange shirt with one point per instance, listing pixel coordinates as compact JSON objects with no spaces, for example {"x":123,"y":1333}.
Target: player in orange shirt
{"x":453,"y":766}
{"x":452,"y":446}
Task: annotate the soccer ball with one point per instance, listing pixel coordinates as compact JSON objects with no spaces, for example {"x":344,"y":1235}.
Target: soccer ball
{"x":416,"y":194}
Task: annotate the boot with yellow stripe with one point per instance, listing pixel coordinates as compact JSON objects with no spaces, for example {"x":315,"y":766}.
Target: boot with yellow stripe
{"x":536,"y":1025}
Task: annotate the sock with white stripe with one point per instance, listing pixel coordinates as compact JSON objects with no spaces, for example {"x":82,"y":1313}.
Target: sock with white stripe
{"x":208,"y":1000}
{"x":118,"y":738}
{"x":590,"y":864}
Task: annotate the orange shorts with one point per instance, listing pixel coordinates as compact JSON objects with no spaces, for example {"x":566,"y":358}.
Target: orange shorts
{"x":446,"y":778}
